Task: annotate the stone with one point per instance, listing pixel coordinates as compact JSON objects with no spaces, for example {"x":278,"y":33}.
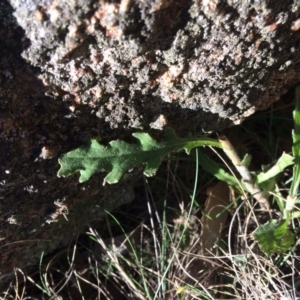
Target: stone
{"x":72,"y":70}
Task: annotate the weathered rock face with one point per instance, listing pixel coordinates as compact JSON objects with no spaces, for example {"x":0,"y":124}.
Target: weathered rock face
{"x":131,"y":61}
{"x":70,"y":70}
{"x":38,"y":210}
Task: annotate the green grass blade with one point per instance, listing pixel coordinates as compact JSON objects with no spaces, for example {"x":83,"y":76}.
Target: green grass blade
{"x":171,"y":260}
{"x":44,"y":286}
{"x":213,"y":168}
{"x":139,"y":266}
{"x":296,"y":145}
{"x":164,"y":246}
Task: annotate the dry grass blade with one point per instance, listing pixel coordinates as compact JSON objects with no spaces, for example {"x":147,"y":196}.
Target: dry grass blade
{"x":114,"y":258}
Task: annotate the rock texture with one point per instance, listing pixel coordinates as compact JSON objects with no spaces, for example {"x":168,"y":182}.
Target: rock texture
{"x":74,"y":69}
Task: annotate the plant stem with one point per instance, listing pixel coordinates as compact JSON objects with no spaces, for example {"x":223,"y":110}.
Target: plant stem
{"x":247,"y":179}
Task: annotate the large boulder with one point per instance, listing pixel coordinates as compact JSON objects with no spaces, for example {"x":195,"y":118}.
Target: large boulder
{"x":71,"y":70}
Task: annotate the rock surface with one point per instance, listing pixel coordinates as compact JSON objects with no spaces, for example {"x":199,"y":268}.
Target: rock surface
{"x":71,"y":70}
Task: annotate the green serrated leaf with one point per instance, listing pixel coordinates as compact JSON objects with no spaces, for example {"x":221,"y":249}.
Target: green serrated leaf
{"x":284,"y":161}
{"x":118,"y":156}
{"x":274,"y":237}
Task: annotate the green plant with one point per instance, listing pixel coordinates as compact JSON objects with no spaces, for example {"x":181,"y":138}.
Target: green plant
{"x":168,"y":260}
{"x":281,"y":238}
{"x":154,"y":254}
{"x":118,"y":157}
{"x":274,"y":236}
